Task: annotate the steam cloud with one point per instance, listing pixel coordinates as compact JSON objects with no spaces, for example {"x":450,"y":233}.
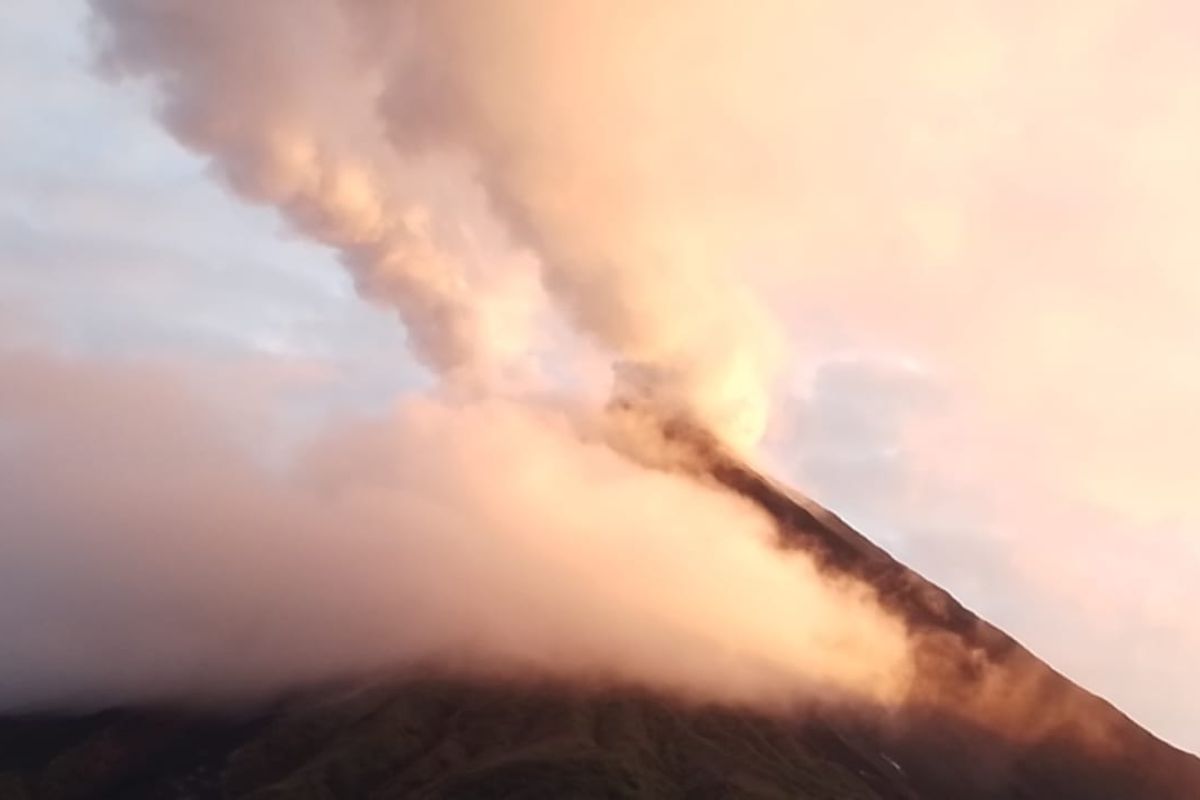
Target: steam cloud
{"x":332,"y":112}
{"x":149,"y":555}
{"x":1002,"y":200}
{"x":493,"y":531}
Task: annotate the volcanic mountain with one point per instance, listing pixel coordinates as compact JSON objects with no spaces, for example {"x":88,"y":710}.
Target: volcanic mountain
{"x":986,"y":720}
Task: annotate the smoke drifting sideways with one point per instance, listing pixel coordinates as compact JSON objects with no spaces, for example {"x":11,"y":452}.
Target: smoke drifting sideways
{"x":149,"y":555}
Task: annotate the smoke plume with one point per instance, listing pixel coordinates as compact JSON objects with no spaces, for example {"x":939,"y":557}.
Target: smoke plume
{"x":994,"y":203}
{"x":337,"y":113}
{"x":438,"y":148}
{"x":277,"y":100}
{"x":148,"y":554}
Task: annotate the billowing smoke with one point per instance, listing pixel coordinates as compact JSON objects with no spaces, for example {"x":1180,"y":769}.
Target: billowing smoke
{"x":150,"y":554}
{"x":273,"y":94}
{"x":998,"y":202}
{"x":438,"y":147}
{"x":554,"y":117}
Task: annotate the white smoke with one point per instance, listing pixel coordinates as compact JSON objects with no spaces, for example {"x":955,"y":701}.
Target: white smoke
{"x":148,"y":554}
{"x":272,"y":92}
{"x":506,"y":534}
{"x":1006,"y":197}
{"x":333,"y":112}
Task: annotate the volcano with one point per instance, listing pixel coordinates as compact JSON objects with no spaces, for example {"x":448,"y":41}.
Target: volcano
{"x":986,"y":720}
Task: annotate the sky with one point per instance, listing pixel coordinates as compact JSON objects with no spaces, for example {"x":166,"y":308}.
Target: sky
{"x":974,"y":233}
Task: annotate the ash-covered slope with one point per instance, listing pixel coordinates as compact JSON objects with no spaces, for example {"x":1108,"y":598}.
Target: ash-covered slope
{"x":987,"y":720}
{"x":1015,"y":727}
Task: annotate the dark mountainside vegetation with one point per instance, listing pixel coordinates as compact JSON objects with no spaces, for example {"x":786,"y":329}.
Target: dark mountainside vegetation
{"x":423,"y":737}
{"x":441,"y":739}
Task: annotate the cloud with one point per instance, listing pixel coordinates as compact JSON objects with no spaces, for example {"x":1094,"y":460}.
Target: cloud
{"x":149,"y":554}
{"x":379,"y":128}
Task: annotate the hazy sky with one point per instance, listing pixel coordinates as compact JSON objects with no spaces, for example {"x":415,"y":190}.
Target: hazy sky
{"x":993,"y":358}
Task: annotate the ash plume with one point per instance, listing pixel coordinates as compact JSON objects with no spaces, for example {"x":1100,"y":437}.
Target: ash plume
{"x":277,"y":101}
{"x":374,"y":127}
{"x":505,"y":530}
{"x":333,"y":111}
{"x":593,"y":138}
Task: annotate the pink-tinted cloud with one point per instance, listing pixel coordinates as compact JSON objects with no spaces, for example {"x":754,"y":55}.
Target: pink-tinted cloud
{"x":149,"y":554}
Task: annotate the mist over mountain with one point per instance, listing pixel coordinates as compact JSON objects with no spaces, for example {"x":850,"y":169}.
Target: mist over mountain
{"x":987,"y":720}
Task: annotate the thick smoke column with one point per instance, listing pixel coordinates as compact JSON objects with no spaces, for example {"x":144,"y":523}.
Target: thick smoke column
{"x":560,"y":107}
{"x":326,"y":109}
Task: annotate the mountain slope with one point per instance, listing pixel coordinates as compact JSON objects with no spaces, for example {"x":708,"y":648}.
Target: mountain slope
{"x":987,"y":720}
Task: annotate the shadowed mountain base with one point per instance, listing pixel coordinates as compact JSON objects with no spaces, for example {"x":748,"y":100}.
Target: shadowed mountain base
{"x":440,"y":739}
